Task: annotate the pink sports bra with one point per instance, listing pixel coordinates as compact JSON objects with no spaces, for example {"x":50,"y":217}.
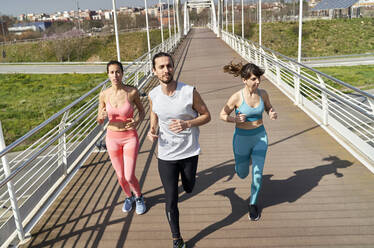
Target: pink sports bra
{"x":120,"y":114}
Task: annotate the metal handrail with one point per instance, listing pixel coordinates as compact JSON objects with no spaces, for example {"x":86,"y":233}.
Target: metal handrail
{"x":308,"y":67}
{"x":49,"y":120}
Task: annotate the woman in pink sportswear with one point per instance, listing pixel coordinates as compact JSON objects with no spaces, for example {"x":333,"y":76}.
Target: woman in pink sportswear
{"x":122,"y":142}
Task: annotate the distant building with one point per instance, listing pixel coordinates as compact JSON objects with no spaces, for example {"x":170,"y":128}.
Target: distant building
{"x":108,"y":15}
{"x":340,"y":8}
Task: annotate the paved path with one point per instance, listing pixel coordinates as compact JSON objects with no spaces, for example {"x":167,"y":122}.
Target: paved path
{"x":340,"y":62}
{"x":53,"y":68}
{"x":315,"y":194}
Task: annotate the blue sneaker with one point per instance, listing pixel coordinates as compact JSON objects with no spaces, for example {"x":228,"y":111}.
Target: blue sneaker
{"x":127,"y":205}
{"x":140,"y":205}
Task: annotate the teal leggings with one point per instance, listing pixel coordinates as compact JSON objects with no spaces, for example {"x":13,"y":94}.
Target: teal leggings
{"x":247,"y":145}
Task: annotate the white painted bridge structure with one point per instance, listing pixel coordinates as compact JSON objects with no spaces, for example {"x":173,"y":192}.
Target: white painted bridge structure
{"x":317,"y":206}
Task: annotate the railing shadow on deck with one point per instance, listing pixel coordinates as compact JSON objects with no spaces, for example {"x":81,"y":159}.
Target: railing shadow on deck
{"x":273,"y":192}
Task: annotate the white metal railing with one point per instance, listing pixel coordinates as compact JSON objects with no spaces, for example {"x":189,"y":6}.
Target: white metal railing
{"x":348,"y":117}
{"x":32,"y":176}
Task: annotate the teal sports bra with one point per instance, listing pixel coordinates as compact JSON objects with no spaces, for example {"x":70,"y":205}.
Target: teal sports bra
{"x":253,"y":114}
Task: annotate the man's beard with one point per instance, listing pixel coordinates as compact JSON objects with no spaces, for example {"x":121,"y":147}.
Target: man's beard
{"x":167,"y":81}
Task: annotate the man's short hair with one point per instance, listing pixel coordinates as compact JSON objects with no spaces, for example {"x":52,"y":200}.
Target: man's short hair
{"x":161,"y":54}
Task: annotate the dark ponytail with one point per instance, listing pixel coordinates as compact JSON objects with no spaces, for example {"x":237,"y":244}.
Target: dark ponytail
{"x":245,"y":71}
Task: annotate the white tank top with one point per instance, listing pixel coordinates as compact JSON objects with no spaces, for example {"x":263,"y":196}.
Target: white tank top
{"x":175,"y":146}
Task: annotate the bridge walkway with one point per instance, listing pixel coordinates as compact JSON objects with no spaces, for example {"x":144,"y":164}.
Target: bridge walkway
{"x":315,"y":194}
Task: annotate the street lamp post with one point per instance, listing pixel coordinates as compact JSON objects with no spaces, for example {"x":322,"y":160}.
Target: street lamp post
{"x":175,"y":27}
{"x":243,"y":19}
{"x":226,"y":15}
{"x":169,"y":19}
{"x":146,"y":22}
{"x":161,"y":24}
{"x":116,"y":29}
{"x":232,"y":16}
{"x":297,"y":85}
{"x":259,"y":23}
{"x":300,"y":30}
{"x":178,"y":21}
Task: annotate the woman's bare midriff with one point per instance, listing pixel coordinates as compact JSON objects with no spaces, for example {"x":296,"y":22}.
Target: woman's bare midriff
{"x":249,"y":124}
{"x":118,"y":126}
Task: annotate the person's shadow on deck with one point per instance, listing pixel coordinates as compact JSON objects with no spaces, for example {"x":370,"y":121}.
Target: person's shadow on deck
{"x":274,"y":192}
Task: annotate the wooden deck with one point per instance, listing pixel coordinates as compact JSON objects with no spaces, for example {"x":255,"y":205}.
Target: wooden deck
{"x":315,"y":194}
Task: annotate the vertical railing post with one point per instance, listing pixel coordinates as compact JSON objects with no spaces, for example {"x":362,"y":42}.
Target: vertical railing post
{"x":325,"y":104}
{"x":371,"y":102}
{"x":296,"y":80}
{"x":242,"y":51}
{"x":137,"y":78}
{"x":277,"y":68}
{"x":256,"y":54}
{"x":249,"y":53}
{"x":11,"y":191}
{"x":62,"y":150}
{"x":264,"y":59}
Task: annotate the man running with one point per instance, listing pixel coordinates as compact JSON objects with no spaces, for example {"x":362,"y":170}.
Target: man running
{"x":177,"y":110}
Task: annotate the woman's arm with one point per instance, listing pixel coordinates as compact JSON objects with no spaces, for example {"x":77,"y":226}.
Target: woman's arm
{"x":268,"y":107}
{"x":139,"y":106}
{"x":229,"y":107}
{"x":101,"y":112}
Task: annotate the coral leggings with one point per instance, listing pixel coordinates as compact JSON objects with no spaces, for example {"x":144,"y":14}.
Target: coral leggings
{"x":123,"y":150}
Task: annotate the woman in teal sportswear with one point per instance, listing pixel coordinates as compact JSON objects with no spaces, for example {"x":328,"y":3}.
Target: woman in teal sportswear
{"x":250,"y":140}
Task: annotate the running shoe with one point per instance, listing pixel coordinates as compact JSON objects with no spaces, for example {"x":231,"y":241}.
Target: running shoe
{"x":178,"y":243}
{"x":140,"y":205}
{"x":127,"y":205}
{"x":253,"y":213}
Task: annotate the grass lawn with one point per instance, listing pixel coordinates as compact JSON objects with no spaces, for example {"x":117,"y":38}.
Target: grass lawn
{"x":361,"y":77}
{"x":96,"y":48}
{"x":29,"y":99}
{"x":320,"y":37}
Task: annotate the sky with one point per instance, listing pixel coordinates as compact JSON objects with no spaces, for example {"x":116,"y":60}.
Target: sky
{"x":17,"y":7}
